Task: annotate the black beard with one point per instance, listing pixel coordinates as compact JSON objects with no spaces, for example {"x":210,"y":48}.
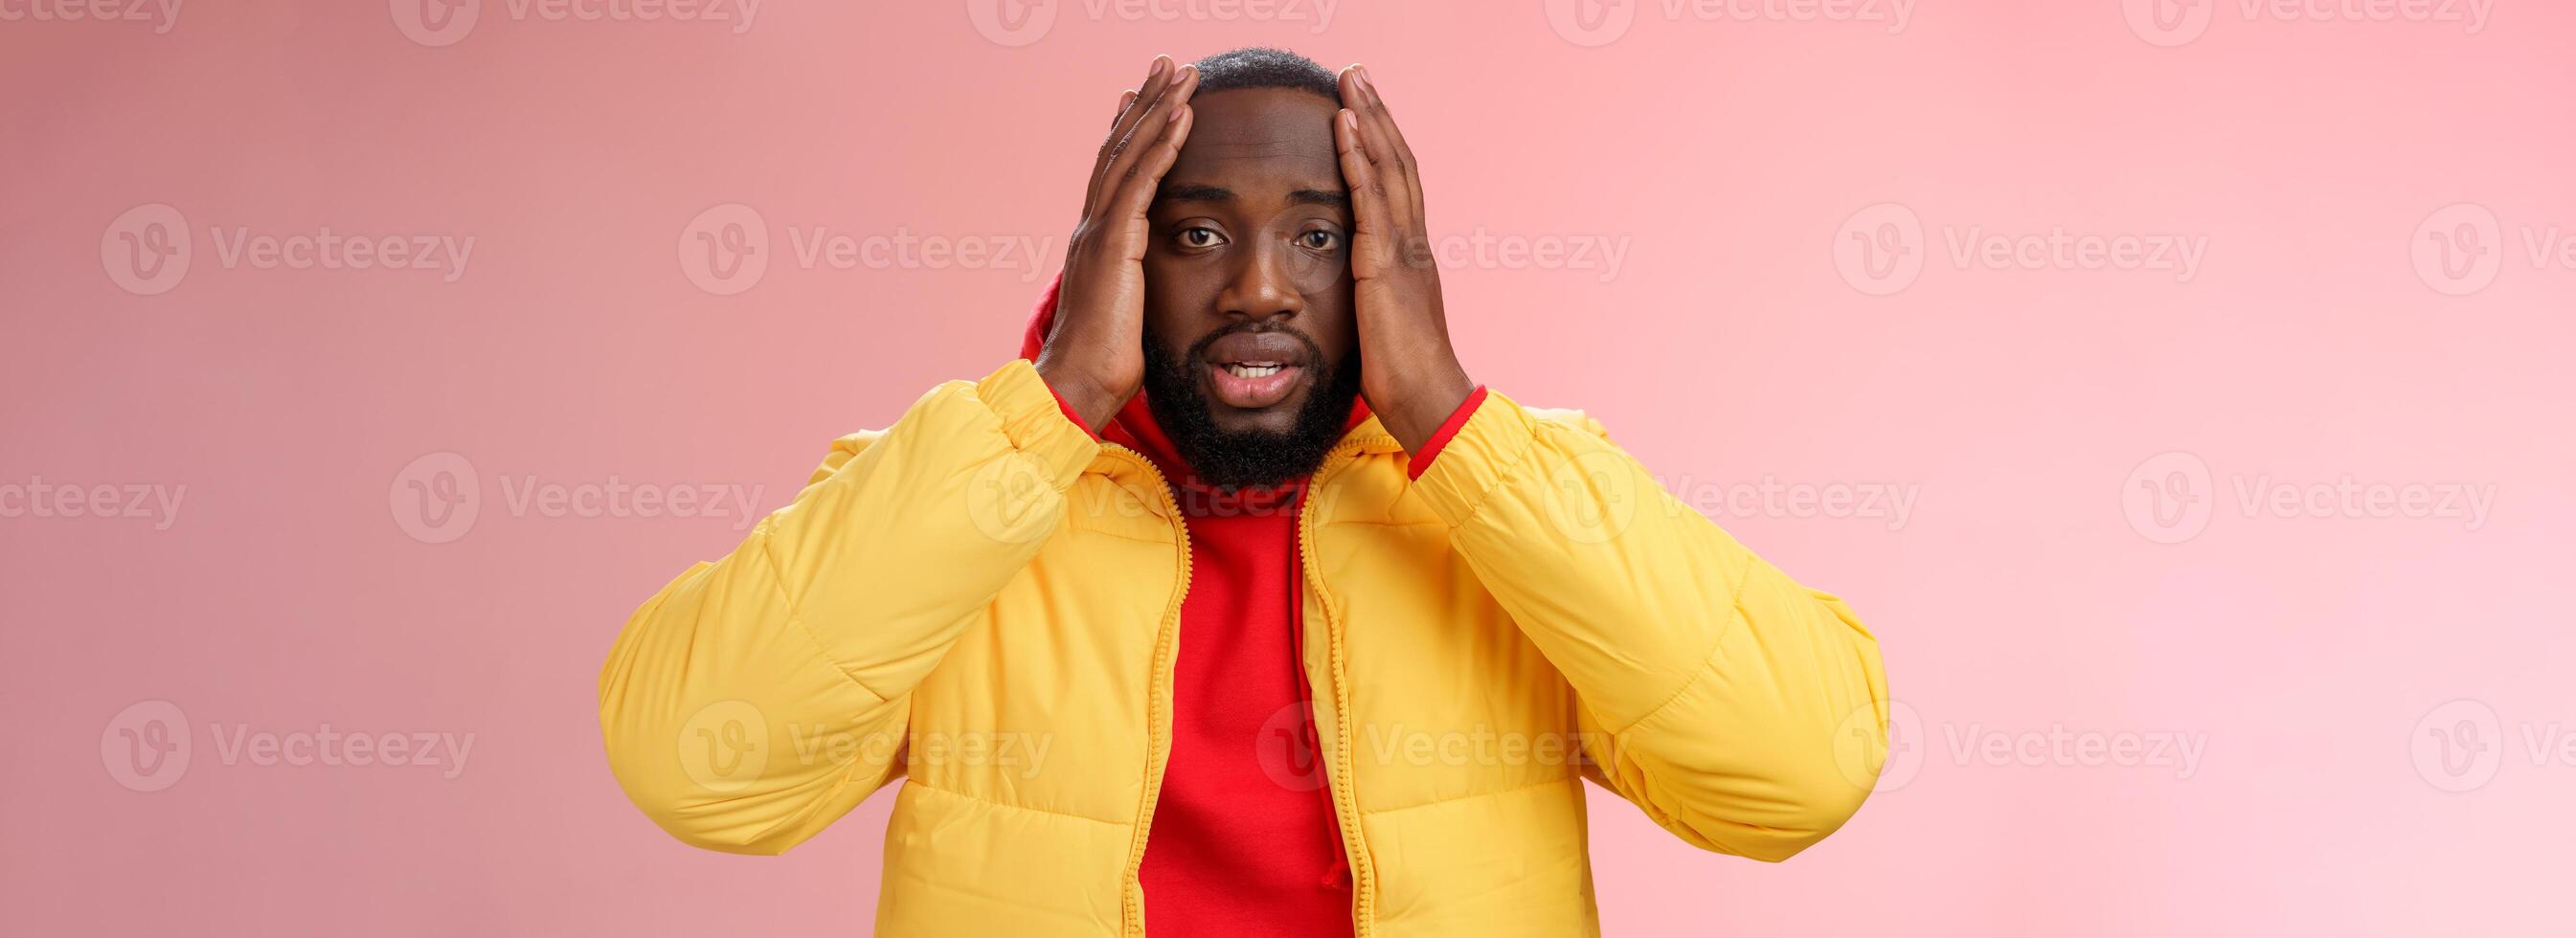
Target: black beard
{"x":1258,"y":458}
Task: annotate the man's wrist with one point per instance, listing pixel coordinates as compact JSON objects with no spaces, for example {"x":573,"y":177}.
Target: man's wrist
{"x":1083,"y":399}
{"x":1416,"y":412}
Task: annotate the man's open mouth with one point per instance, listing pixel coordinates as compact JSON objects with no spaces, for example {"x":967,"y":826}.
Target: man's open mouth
{"x":1252,"y":370}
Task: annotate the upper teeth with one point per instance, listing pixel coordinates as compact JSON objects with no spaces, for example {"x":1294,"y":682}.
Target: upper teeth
{"x":1249,"y":370}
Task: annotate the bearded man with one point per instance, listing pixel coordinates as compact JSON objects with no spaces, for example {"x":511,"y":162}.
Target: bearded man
{"x":1235,"y":606}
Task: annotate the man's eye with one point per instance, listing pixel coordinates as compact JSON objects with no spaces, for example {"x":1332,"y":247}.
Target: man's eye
{"x":1198,"y":236}
{"x":1319,"y":239}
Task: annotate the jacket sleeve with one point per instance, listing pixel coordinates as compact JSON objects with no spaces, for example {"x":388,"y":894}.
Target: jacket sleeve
{"x":758,"y":698}
{"x":1743,"y":712}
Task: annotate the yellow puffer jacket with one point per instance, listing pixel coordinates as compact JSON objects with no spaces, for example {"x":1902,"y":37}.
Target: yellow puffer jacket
{"x":984,"y":600}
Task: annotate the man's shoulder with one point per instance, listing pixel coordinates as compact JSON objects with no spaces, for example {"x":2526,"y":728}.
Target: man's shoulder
{"x":1566,"y":417}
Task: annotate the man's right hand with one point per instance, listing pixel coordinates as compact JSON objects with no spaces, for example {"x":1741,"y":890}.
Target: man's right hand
{"x":1095,"y":353}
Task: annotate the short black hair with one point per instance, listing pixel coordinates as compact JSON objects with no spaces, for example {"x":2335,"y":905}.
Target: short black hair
{"x":1265,"y":67}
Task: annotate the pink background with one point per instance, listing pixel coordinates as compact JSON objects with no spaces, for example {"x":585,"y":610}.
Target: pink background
{"x":2334,"y":327}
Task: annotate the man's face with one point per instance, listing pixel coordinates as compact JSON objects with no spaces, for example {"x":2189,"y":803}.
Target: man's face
{"x":1250,"y":342}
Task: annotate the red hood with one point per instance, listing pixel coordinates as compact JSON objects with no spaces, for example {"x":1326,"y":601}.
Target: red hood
{"x":1134,"y":426}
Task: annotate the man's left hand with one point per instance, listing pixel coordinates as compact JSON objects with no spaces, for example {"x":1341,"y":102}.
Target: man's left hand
{"x":1409,"y":373}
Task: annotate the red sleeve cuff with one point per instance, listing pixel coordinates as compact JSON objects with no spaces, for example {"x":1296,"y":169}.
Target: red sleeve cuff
{"x":1448,"y":428}
{"x":1069,"y":415}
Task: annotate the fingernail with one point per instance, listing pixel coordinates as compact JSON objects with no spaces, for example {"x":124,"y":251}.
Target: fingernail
{"x":1161,"y":62}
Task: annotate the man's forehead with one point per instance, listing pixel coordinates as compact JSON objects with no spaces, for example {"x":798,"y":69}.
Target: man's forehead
{"x":1260,"y":140}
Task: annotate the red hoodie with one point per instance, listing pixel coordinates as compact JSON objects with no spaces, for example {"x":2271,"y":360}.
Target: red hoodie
{"x":1244,"y":841}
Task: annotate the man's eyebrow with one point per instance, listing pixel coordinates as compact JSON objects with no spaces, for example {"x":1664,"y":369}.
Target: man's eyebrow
{"x":1320,"y":197}
{"x":1188,"y":192}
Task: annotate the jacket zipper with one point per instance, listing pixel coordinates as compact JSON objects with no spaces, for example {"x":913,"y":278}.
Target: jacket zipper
{"x":1337,"y":876}
{"x":1157,"y":699}
{"x":1345,"y":804}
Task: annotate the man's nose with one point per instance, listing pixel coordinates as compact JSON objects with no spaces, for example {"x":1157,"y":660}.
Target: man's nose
{"x":1260,"y":287}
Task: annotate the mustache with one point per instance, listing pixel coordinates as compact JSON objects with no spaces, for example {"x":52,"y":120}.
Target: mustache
{"x":1314,"y":353}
